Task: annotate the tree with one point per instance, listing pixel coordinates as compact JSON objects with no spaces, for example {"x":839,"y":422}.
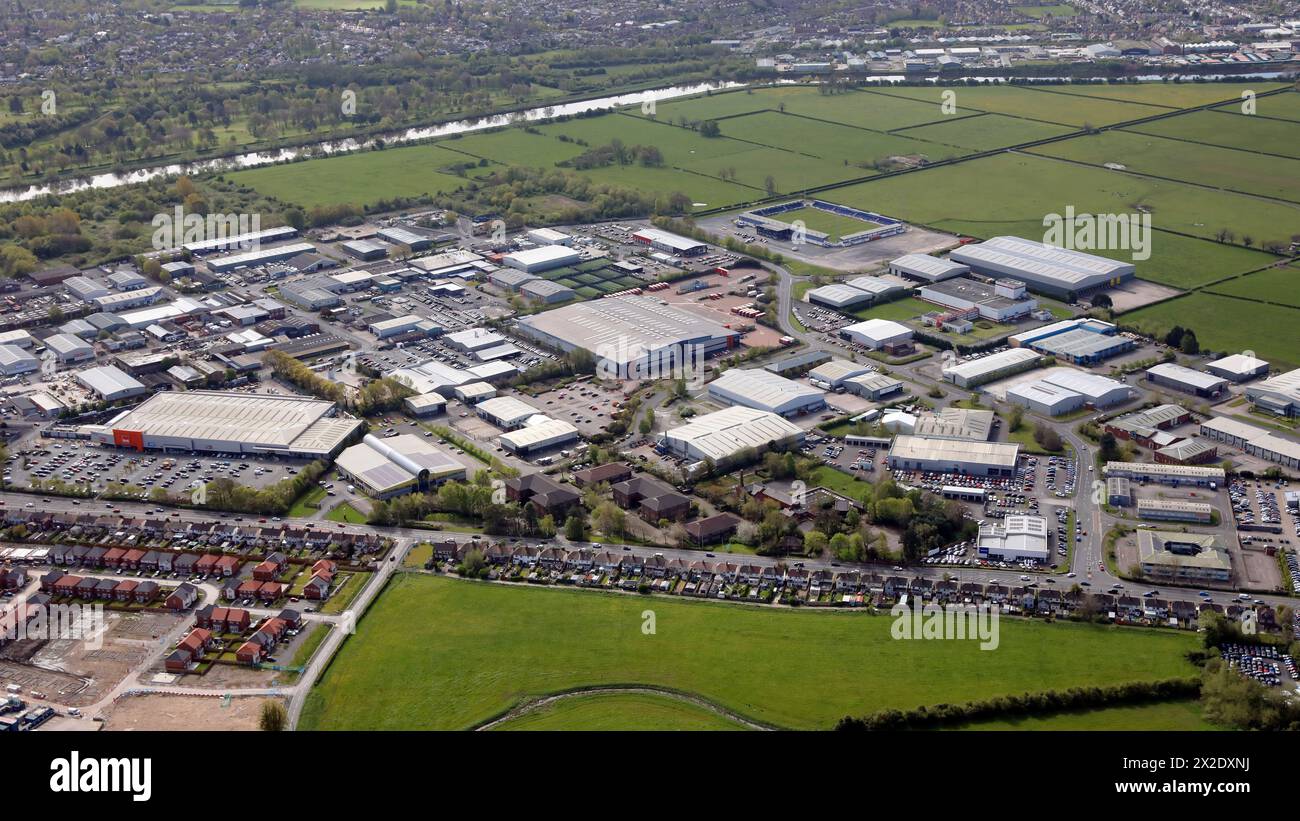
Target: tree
{"x":1188,"y":344}
{"x":1047,"y":438}
{"x":1109,"y":447}
{"x":273,"y":717}
{"x":1017,"y":418}
{"x":1175,"y":336}
{"x":575,"y":529}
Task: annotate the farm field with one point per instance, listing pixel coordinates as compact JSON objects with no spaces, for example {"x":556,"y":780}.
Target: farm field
{"x":1026,"y":187}
{"x":1032,"y":104}
{"x":722,"y":104}
{"x":1283,"y":106}
{"x":362,"y":178}
{"x":830,"y":141}
{"x":985,"y":132}
{"x":1218,"y":127}
{"x":620,"y":711}
{"x":1201,"y":164}
{"x":487,"y":647}
{"x":1281,"y":285}
{"x":866,"y":109}
{"x":514,"y":146}
{"x":1167,"y":716}
{"x":1167,"y":95}
{"x":1226,"y":324}
{"x":751,"y":166}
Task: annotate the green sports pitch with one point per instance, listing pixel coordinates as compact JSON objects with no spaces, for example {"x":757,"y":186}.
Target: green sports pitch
{"x":834,"y":226}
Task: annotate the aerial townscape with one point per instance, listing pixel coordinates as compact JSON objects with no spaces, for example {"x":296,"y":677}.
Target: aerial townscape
{"x":644,"y":366}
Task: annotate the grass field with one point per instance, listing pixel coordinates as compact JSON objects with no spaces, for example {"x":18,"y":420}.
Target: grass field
{"x":1229,"y":130}
{"x":308,"y":503}
{"x":1226,"y":324}
{"x":1026,"y":187}
{"x":985,"y":132}
{"x":830,"y":141}
{"x":1033,"y":104}
{"x":361,"y":178}
{"x":1283,"y":106}
{"x":484,"y":648}
{"x":1167,"y":95}
{"x":1200,"y":164}
{"x":834,"y":225}
{"x":346,"y":513}
{"x":1280,"y":285}
{"x":899,"y":310}
{"x":620,"y":711}
{"x":1161,"y":716}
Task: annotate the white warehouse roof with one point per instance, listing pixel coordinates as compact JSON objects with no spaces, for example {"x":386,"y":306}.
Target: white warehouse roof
{"x":764,"y":390}
{"x":721,"y":435}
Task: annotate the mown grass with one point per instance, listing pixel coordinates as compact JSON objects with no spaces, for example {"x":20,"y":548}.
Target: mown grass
{"x":437,"y":653}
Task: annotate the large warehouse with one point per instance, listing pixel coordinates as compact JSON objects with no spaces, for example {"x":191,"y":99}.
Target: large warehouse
{"x":766,"y":391}
{"x":988,"y":368}
{"x":964,"y":456}
{"x":632,"y":337}
{"x":538,"y":433}
{"x":1078,"y":341}
{"x":1049,"y":270}
{"x":111,"y":383}
{"x":1188,"y":380}
{"x":506,"y":412}
{"x":839,"y":296}
{"x":1279,"y":395}
{"x":722,"y":435}
{"x":229,"y":422}
{"x":876,"y":333}
{"x":14,"y":361}
{"x":927,"y":268}
{"x":383,"y":468}
{"x":68,"y":348}
{"x":542,"y":258}
{"x":262,"y":256}
{"x":669,"y":243}
{"x":1015,"y":539}
{"x":832,"y":375}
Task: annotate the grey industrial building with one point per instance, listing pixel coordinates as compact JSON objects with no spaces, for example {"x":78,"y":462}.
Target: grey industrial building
{"x":1055,"y":272}
{"x":1181,"y":378}
{"x":927,"y":268}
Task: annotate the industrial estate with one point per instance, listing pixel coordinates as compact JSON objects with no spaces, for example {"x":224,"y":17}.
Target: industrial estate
{"x":768,"y":359}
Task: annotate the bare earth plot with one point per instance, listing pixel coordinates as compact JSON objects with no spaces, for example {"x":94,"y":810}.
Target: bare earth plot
{"x":164,"y":712}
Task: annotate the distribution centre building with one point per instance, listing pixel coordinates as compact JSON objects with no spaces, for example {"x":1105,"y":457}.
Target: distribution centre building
{"x":631,"y":337}
{"x":111,"y":383}
{"x":722,"y":435}
{"x":542,"y":258}
{"x":927,"y":268}
{"x":989,"y":368}
{"x":1188,"y":380}
{"x":876,"y":333}
{"x":538,"y":433}
{"x":1047,"y":269}
{"x":669,"y":243}
{"x":766,"y":391}
{"x":230,"y":422}
{"x":963,"y":456}
{"x":1278,"y":395}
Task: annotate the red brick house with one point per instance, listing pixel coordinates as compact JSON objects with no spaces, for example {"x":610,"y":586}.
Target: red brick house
{"x":206,"y":564}
{"x":131,"y":559}
{"x":326,"y":566}
{"x":66,"y":586}
{"x":177,"y":662}
{"x":317,"y":588}
{"x":227,"y":565}
{"x":196,"y":642}
{"x":248,"y":589}
{"x":250,"y":652}
{"x":113,"y":558}
{"x":182,"y":597}
{"x":270,"y":591}
{"x":146,"y":592}
{"x":125,"y":590}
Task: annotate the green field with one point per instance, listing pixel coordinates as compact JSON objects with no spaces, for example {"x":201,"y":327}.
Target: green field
{"x":484,"y":648}
{"x":1161,"y":716}
{"x":834,"y":225}
{"x":1283,"y":106}
{"x":347,"y":514}
{"x":1023,"y":188}
{"x":1281,"y":285}
{"x":361,"y":178}
{"x":831,"y":141}
{"x":620,"y":711}
{"x":1201,"y":164}
{"x":898,"y":310}
{"x":985,"y":132}
{"x":1226,"y":324}
{"x":1032,"y":103}
{"x":1167,"y":95}
{"x":1230,"y":131}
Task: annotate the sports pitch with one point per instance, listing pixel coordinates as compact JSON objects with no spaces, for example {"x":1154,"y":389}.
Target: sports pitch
{"x":833,"y":225}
